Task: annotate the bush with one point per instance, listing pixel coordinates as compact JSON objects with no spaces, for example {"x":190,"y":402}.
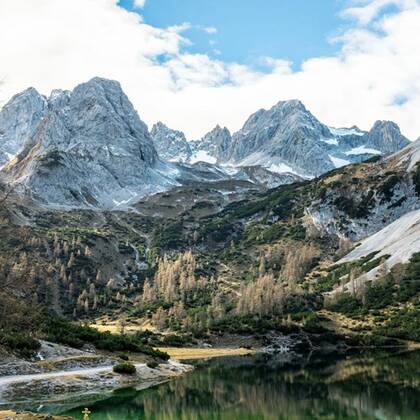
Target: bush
{"x":346,"y":304}
{"x":124,"y":368}
{"x":173,"y":340}
{"x":20,"y":343}
{"x":60,"y":330}
{"x":152,"y":365}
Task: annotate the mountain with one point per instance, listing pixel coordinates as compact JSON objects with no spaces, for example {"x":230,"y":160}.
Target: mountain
{"x":288,"y":139}
{"x":83,"y":148}
{"x":214,"y":146}
{"x":171,"y":145}
{"x":18,"y":121}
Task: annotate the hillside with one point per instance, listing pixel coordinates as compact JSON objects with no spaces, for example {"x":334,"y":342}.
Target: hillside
{"x":266,"y":263}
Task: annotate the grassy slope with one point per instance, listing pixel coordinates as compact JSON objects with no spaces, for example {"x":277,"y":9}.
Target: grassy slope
{"x":227,"y":245}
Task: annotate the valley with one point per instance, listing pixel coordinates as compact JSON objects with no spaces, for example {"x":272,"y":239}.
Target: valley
{"x":125,"y":248}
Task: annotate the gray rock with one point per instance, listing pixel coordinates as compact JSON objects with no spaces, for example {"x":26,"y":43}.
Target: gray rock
{"x":170,"y":144}
{"x":386,"y":137}
{"x":18,"y":121}
{"x":216,"y":143}
{"x":89,"y":149}
{"x":288,"y":135}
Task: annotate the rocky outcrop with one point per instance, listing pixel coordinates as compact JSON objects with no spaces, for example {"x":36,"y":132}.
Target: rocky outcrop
{"x":216,"y":144}
{"x":289,"y":138}
{"x":386,"y":137}
{"x":286,"y":134}
{"x":170,"y":144}
{"x":19,"y":118}
{"x":367,"y":198}
{"x":89,"y":148}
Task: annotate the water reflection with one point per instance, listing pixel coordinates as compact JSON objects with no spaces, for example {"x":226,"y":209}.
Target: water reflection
{"x":373,"y":386}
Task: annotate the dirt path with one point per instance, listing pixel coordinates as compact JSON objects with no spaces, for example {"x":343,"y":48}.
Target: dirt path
{"x":7,"y":380}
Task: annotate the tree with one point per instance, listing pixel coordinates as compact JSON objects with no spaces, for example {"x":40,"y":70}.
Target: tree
{"x":261,"y":268}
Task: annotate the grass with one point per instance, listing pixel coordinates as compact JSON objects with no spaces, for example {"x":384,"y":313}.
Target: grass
{"x":188,"y":353}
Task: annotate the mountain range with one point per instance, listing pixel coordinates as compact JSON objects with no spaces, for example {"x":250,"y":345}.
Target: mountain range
{"x":89,"y":148}
{"x":286,"y":138}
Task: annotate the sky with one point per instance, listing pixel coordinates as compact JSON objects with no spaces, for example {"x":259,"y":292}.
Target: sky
{"x":244,"y":31}
{"x":196,"y":63}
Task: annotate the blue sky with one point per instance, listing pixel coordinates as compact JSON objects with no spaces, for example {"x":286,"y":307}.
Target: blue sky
{"x":247,"y":30}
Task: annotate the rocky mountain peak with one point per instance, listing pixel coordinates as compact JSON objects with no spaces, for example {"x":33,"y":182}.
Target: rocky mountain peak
{"x":170,"y":144}
{"x":215,"y":143}
{"x":386,"y":137}
{"x":88,"y":147}
{"x":291,"y":105}
{"x":18,"y":120}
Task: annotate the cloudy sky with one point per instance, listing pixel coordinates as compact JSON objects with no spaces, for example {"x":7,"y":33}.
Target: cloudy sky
{"x":195,"y":63}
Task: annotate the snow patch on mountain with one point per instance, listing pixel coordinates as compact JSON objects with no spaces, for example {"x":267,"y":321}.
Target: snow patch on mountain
{"x":354,"y":131}
{"x":333,"y":142}
{"x":338,"y":162}
{"x":202,"y":156}
{"x":400,"y":240}
{"x":361,"y":150}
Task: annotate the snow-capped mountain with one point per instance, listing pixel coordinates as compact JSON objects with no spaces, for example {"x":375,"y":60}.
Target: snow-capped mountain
{"x":88,"y":147}
{"x":81,"y":148}
{"x":288,"y":139}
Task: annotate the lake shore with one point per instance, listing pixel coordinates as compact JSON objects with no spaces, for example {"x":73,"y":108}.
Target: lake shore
{"x":13,"y":415}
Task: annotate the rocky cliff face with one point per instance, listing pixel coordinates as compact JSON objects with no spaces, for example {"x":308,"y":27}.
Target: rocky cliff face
{"x":85,"y":148}
{"x":89,"y":147}
{"x":171,"y":145}
{"x":386,"y":137}
{"x":362,"y":200}
{"x":216,"y":144}
{"x":18,"y":121}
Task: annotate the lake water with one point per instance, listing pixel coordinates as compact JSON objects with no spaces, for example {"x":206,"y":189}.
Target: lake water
{"x":368,"y":386}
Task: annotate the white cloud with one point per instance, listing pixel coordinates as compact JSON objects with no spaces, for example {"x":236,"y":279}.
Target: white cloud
{"x":139,"y":4}
{"x":49,"y":44}
{"x":210,"y":30}
{"x":365,"y":11}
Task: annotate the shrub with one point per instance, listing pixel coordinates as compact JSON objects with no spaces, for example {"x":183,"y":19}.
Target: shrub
{"x":20,"y":343}
{"x":62,"y":331}
{"x":124,"y":368}
{"x":152,"y":365}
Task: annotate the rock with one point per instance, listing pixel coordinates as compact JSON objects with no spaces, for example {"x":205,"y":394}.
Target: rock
{"x":216,"y":144}
{"x":386,"y":137}
{"x":287,"y":140}
{"x":89,"y":148}
{"x":170,"y":144}
{"x":18,"y":121}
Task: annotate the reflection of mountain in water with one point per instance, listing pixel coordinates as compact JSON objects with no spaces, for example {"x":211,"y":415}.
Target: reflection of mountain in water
{"x":370,"y":386}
